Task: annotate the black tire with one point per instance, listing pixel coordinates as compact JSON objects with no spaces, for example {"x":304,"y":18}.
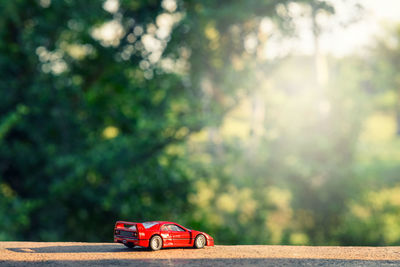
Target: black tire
{"x":200,"y":241}
{"x":156,"y":243}
{"x":129,"y":245}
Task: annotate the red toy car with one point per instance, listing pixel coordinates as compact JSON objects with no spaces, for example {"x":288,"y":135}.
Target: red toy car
{"x":159,"y":234}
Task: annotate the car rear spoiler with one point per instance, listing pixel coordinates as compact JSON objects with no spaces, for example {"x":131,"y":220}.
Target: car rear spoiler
{"x":125,"y":224}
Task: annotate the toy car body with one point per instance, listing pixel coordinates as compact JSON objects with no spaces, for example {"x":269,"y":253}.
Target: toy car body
{"x":159,"y":234}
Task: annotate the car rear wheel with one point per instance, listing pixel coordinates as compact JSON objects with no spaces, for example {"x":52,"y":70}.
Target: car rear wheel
{"x":200,"y":241}
{"x":155,"y":243}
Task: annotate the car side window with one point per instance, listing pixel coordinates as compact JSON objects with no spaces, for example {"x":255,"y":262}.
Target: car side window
{"x":177,"y":228}
{"x":172,"y":227}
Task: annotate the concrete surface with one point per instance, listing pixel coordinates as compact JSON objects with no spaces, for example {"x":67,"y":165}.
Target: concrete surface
{"x":109,"y":254}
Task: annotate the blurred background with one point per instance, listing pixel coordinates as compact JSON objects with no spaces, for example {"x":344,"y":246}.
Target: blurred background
{"x":259,"y":122}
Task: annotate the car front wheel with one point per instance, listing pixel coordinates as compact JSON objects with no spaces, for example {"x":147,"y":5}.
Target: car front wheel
{"x":200,"y":241}
{"x":155,"y":243}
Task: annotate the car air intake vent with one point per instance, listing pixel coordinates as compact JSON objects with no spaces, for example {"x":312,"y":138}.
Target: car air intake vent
{"x":127,"y":233}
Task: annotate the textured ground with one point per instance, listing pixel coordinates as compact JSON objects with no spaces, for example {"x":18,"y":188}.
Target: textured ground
{"x":106,"y":254}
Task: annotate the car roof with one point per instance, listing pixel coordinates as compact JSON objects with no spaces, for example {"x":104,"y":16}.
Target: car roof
{"x":161,"y":222}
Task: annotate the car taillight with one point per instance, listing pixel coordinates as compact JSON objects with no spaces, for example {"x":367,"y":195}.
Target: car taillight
{"x":120,"y":225}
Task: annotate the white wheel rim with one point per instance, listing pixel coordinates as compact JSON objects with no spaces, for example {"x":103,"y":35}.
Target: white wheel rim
{"x":155,"y":243}
{"x":200,"y":241}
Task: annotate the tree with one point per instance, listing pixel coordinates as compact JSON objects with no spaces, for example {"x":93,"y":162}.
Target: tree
{"x":93,"y":102}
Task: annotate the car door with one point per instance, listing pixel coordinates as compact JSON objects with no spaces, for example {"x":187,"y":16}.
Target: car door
{"x":180,"y":236}
{"x":166,"y":236}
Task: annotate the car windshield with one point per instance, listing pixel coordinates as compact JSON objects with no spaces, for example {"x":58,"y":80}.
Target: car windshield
{"x":148,"y":225}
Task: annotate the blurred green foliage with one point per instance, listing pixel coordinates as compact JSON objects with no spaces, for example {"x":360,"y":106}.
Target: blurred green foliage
{"x":163,"y":110}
